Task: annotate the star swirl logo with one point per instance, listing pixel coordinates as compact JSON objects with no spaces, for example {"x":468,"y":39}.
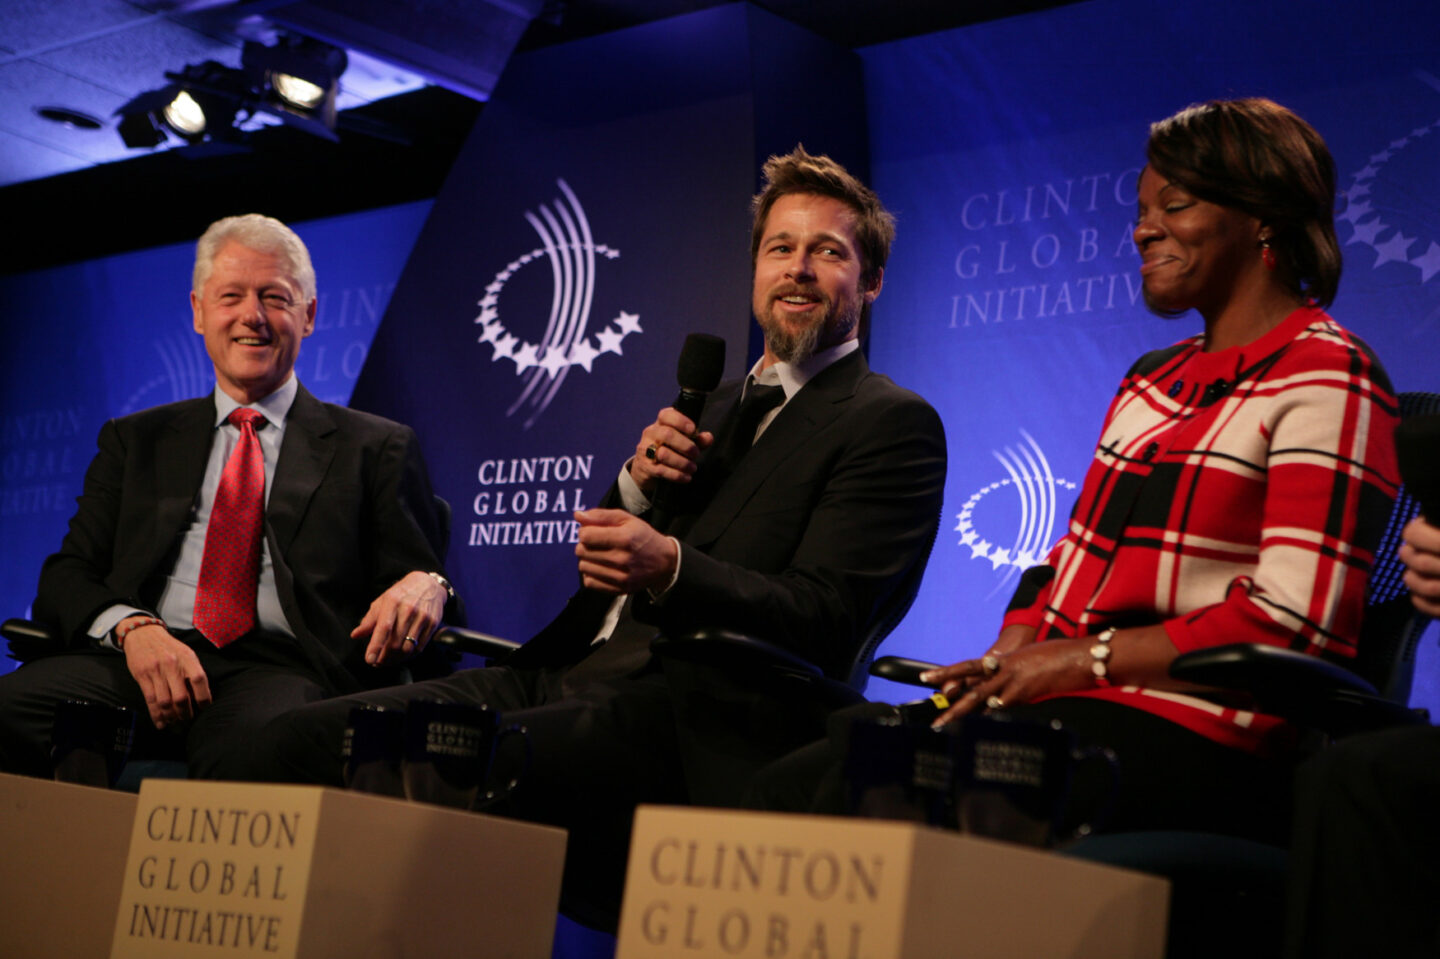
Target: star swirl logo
{"x":1368,"y":222}
{"x":1029,"y":475}
{"x":181,"y":370}
{"x":567,"y":245}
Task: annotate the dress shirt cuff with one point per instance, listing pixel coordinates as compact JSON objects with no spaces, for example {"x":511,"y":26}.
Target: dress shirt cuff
{"x":657,"y":595}
{"x":101,"y":626}
{"x":635,"y":502}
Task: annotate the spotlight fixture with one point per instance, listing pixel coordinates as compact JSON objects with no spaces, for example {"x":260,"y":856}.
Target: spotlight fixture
{"x":294,"y":81}
{"x":200,"y":103}
{"x":185,"y":115}
{"x":297,"y":80}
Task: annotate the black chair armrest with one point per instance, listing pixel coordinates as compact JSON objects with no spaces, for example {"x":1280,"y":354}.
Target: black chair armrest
{"x":1304,"y":689}
{"x":898,"y":669}
{"x":476,"y":643}
{"x":29,"y":640}
{"x":1266,"y":672}
{"x":721,"y":647}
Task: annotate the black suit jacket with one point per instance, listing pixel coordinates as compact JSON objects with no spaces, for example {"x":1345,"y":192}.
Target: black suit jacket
{"x":351,"y":511}
{"x":804,"y":544}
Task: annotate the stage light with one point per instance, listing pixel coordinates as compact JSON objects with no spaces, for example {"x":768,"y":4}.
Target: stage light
{"x":298,"y":91}
{"x":185,"y":116}
{"x":295,"y":81}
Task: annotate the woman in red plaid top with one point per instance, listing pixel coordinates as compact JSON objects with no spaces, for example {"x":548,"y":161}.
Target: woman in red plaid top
{"x":1238,"y":491}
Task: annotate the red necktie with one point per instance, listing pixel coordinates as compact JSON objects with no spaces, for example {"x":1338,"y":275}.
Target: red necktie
{"x":230,"y":569}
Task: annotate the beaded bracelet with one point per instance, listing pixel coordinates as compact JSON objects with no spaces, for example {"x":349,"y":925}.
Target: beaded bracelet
{"x":1100,"y":657}
{"x":128,"y":625}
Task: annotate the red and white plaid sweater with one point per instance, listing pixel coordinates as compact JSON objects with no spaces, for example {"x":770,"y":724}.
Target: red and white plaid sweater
{"x":1235,"y":496}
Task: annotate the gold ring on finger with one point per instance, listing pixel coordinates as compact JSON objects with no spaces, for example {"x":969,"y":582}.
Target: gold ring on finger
{"x":990,"y":663}
{"x":994,"y":702}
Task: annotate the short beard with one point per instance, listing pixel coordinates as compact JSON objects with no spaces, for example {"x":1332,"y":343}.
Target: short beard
{"x":798,"y":346}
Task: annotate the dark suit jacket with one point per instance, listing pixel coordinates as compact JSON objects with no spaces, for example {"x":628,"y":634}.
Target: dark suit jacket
{"x":807,"y":540}
{"x":351,"y":511}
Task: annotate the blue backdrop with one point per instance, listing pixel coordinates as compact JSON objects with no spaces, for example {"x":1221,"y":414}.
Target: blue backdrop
{"x":1009,"y":151}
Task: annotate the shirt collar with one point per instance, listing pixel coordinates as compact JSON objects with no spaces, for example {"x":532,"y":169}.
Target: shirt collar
{"x":792,"y":377}
{"x":274,"y":407}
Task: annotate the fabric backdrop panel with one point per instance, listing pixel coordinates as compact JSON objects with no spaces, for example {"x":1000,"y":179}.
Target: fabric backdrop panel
{"x":89,"y":341}
{"x":598,"y":214}
{"x":1010,"y":152}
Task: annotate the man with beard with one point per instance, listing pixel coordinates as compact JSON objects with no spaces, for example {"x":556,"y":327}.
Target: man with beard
{"x":807,"y":496}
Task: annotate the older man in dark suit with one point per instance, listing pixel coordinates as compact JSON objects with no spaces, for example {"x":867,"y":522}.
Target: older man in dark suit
{"x":241,"y":554}
{"x":810,"y":494}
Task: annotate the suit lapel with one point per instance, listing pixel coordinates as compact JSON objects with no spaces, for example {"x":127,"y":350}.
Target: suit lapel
{"x":182,"y":448}
{"x":798,"y":424}
{"x":305,"y":456}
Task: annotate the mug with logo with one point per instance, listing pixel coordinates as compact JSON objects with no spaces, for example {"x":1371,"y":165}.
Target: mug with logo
{"x":985,"y":775}
{"x":373,"y":747}
{"x":90,"y":742}
{"x":448,"y":750}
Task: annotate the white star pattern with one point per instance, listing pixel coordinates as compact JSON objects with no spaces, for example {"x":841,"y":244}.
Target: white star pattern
{"x":583,"y":354}
{"x":998,"y":557}
{"x":1355,"y":211}
{"x":525,"y":358}
{"x":1366,"y":233}
{"x":1396,"y":246}
{"x":610,"y":341}
{"x":526,"y":355}
{"x":1429,"y":262}
{"x":553,"y":362}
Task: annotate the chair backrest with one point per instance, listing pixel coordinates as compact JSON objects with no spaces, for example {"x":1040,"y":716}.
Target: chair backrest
{"x":1393,"y":626}
{"x":890,"y":615}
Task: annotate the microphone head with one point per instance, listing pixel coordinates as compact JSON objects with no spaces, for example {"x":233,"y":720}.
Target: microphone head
{"x":1417,"y":450}
{"x":702,"y":362}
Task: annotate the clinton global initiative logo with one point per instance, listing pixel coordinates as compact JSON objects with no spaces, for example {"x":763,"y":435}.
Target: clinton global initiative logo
{"x":181,"y":370}
{"x":1010,"y":523}
{"x":1381,"y":201}
{"x":566,"y":292}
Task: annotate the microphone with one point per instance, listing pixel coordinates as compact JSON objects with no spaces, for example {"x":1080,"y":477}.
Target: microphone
{"x":1417,"y":449}
{"x":702,"y":363}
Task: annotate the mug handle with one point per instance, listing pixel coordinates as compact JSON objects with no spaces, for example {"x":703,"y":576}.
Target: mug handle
{"x":1106,"y":757}
{"x":493,"y":796}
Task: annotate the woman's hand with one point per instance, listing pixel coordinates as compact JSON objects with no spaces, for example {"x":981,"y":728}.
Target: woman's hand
{"x":1030,"y":672}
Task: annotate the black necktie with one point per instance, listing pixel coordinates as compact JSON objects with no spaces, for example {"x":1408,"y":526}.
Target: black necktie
{"x":737,"y":440}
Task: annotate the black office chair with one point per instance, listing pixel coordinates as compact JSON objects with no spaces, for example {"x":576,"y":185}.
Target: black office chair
{"x":741,"y":702}
{"x":30,"y":640}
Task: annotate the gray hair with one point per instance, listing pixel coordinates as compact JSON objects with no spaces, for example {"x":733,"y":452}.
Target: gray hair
{"x":262,"y":233}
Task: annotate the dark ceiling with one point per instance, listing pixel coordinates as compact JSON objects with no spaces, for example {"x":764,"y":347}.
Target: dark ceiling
{"x":418,"y":74}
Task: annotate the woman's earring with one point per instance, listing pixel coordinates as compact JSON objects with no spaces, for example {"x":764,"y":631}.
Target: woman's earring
{"x":1267,"y":255}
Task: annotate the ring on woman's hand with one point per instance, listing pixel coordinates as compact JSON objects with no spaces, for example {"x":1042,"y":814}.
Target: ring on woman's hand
{"x":410,"y":641}
{"x":650,"y":453}
{"x":994,"y":702}
{"x":990,"y":663}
